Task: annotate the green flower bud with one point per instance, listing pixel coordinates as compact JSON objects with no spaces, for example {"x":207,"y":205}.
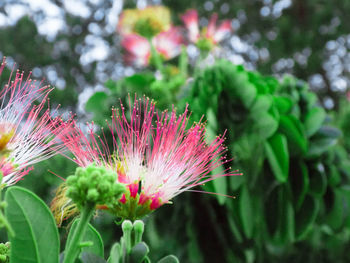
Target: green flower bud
{"x":139,"y":227}
{"x":94,"y":185}
{"x":5,"y":252}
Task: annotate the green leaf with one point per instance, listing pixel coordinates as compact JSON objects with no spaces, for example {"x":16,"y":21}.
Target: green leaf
{"x":287,"y":224}
{"x":236,"y":181}
{"x":92,"y":235}
{"x":345,"y":190}
{"x":271,"y":210}
{"x":138,"y":252}
{"x":87,"y":257}
{"x":272,"y":83}
{"x":169,"y":259}
{"x":283,"y":104}
{"x":96,"y":102}
{"x":234,"y":222}
{"x":277,"y":155}
{"x":318,"y":180}
{"x":246,"y":212}
{"x":247,"y":93}
{"x":279,"y":215}
{"x":334,"y":176}
{"x":299,"y":181}
{"x":291,"y":127}
{"x":111,"y":85}
{"x":325,"y":138}
{"x":305,"y":217}
{"x":36,"y":237}
{"x":115,"y":254}
{"x":264,"y":124}
{"x":262,"y":104}
{"x":219,"y":185}
{"x":335,"y":216}
{"x":139,"y":81}
{"x":314,"y":120}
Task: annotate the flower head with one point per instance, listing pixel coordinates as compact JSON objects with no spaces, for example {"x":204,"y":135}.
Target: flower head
{"x":210,"y":35}
{"x":153,"y":154}
{"x":146,"y":22}
{"x":168,"y":43}
{"x":138,"y":48}
{"x":25,"y":129}
{"x":190,"y":19}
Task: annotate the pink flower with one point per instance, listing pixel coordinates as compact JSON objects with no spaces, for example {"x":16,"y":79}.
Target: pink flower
{"x":25,"y":129}
{"x":168,"y":43}
{"x":217,"y":34}
{"x":190,"y":19}
{"x":213,"y":33}
{"x":153,"y":154}
{"x":138,"y":48}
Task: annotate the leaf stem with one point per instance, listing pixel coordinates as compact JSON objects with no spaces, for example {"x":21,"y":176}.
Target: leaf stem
{"x":72,"y":251}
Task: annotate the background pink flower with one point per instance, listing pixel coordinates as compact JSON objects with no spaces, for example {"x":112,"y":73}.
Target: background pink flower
{"x":168,"y":43}
{"x":138,"y":50}
{"x":212,"y":33}
{"x":190,"y":19}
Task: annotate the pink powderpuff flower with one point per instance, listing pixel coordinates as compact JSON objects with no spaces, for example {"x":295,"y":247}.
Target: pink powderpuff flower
{"x":190,"y":19}
{"x":168,"y":43}
{"x":212,"y":33}
{"x":138,"y":48}
{"x":25,"y":129}
{"x":216,"y":34}
{"x":153,"y":154}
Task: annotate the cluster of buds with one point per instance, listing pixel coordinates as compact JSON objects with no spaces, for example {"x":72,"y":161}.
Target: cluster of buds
{"x":144,"y":29}
{"x":94,"y":185}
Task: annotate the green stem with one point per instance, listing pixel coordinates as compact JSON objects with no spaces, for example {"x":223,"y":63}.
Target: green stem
{"x":156,"y":58}
{"x":72,"y":251}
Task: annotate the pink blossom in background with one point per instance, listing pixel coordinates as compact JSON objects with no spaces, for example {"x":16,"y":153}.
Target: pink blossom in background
{"x":138,"y":50}
{"x":190,"y":19}
{"x":216,"y":34}
{"x":213,"y":33}
{"x":25,"y":129}
{"x":168,"y":43}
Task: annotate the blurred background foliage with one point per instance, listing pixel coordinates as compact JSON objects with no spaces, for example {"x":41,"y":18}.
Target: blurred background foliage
{"x":287,"y":134}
